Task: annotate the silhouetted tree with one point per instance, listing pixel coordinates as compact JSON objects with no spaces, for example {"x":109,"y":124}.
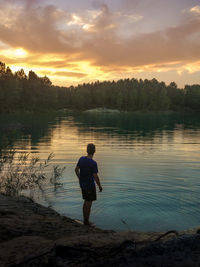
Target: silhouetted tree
{"x":19,"y":91}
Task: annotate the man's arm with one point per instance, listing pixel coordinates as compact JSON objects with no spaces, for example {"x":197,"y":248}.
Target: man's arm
{"x":97,"y":180}
{"x":77,"y":171}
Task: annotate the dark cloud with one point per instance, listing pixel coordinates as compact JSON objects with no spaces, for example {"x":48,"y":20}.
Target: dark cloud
{"x":35,"y":29}
{"x":104,"y":20}
{"x":46,"y":29}
{"x":97,"y":3}
{"x":178,"y":43}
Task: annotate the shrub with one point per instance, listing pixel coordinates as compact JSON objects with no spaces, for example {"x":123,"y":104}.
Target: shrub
{"x":21,"y":171}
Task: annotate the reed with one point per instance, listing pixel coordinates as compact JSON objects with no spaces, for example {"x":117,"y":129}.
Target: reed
{"x":21,"y":171}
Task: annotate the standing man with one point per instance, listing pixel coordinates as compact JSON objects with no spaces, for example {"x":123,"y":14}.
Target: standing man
{"x":86,"y":171}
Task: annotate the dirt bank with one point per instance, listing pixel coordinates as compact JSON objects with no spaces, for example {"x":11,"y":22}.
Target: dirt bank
{"x":33,"y":235}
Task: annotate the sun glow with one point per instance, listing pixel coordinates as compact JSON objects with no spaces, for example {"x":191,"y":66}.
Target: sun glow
{"x":14,"y":53}
{"x":20,"y":52}
{"x":193,"y":67}
{"x":78,"y":72}
{"x":92,"y":71}
{"x":15,"y":68}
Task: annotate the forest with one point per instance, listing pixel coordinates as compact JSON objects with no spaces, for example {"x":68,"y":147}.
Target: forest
{"x":21,"y":92}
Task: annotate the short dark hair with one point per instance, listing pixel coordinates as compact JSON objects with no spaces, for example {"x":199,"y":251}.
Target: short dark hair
{"x":90,"y":149}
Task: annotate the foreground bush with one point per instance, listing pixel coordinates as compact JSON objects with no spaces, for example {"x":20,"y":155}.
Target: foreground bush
{"x":21,"y":171}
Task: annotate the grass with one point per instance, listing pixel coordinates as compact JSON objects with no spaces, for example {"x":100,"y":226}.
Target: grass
{"x":22,"y":171}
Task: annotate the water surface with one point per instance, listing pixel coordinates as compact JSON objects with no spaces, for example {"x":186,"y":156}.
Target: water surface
{"x":148,"y":165}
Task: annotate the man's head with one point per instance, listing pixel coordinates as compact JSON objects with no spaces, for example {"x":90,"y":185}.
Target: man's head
{"x":90,"y":149}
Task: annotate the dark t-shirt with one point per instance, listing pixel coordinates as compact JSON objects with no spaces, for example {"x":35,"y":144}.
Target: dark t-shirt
{"x":87,"y":168}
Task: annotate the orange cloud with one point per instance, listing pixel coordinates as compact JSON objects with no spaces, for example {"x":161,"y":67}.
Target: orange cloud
{"x":64,"y":74}
{"x":195,"y":9}
{"x":91,"y":45}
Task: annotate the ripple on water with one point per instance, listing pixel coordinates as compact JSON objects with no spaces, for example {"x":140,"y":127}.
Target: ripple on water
{"x":150,"y":176}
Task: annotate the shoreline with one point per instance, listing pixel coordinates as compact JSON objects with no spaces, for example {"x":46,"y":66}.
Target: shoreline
{"x":98,"y":110}
{"x":31,"y":234}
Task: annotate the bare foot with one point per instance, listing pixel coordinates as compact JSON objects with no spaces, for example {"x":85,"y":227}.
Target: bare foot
{"x":88,"y":223}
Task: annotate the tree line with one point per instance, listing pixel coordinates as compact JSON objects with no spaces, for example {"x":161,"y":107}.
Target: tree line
{"x":19,"y":91}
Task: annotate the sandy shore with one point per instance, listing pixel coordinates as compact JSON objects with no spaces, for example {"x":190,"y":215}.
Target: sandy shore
{"x":33,"y":235}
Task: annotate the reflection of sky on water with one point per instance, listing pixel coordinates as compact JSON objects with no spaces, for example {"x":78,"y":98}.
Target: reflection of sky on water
{"x":149,"y":166}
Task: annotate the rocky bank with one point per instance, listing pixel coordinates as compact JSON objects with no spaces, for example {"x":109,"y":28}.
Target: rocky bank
{"x":33,"y":235}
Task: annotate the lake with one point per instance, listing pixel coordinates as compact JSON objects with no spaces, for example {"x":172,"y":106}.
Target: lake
{"x":149,"y":165}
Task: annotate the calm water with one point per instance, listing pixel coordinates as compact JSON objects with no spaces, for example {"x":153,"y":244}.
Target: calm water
{"x":149,"y":165}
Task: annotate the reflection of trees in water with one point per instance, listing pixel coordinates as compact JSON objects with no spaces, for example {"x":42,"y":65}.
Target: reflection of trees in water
{"x":124,"y":126}
{"x":31,"y":127}
{"x":130,"y":126}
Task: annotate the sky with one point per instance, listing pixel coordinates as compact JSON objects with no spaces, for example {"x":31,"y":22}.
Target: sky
{"x":80,"y":41}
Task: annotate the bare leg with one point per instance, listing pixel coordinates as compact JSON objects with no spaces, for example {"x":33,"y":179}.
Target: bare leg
{"x":86,"y":211}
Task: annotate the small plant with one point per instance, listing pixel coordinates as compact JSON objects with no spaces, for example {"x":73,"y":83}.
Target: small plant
{"x":21,"y":171}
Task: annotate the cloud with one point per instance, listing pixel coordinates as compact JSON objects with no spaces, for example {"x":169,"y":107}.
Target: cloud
{"x":64,"y":74}
{"x":172,"y":44}
{"x":133,"y":18}
{"x":33,"y":28}
{"x":195,"y":9}
{"x":105,"y":38}
{"x":49,"y":29}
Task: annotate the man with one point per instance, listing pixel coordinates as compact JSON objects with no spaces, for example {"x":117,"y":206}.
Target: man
{"x":86,"y":171}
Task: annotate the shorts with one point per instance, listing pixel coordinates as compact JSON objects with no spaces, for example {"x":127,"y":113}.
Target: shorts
{"x":89,"y":194}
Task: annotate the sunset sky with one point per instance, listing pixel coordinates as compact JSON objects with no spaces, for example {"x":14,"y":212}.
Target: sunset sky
{"x":87,"y":40}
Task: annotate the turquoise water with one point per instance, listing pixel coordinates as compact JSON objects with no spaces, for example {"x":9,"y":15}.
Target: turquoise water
{"x":149,"y":165}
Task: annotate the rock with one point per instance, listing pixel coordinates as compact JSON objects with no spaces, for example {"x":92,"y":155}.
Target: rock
{"x":24,"y":249}
{"x":21,"y":216}
{"x":102,"y":110}
{"x":34,"y":235}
